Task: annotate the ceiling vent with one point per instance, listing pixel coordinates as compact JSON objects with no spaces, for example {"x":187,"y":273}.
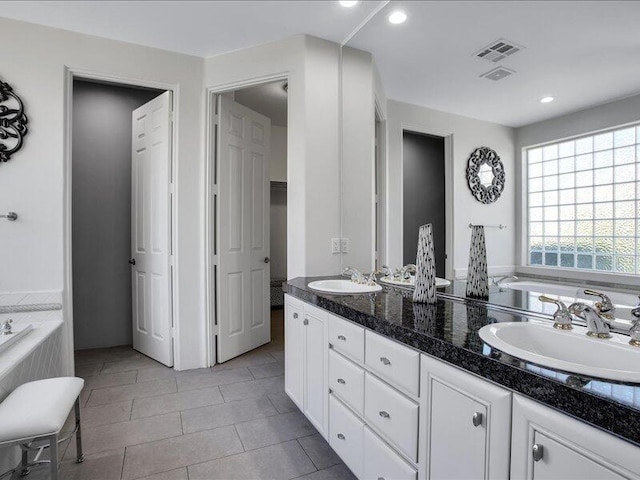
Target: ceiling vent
{"x":498,"y":50}
{"x":498,"y":73}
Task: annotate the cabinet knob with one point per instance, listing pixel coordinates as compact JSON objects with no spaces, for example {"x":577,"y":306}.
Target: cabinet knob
{"x":342,"y":337}
{"x":295,"y":315}
{"x":538,"y":452}
{"x":305,"y":321}
{"x":341,"y":436}
{"x":477,"y":419}
{"x":385,"y":361}
{"x":380,"y":478}
{"x":341,"y":381}
{"x":384,"y":414}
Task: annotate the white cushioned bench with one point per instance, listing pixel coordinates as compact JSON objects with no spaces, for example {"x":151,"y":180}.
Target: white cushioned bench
{"x":37,"y":411}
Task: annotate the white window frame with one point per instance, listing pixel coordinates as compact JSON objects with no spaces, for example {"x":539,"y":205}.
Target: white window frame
{"x":621,"y":279}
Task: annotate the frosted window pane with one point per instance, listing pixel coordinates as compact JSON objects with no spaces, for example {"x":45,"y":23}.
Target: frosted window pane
{"x":583,"y":202}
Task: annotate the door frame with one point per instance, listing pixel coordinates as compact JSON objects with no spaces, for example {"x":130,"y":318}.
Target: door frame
{"x":71,"y":74}
{"x":448,"y":190}
{"x":211,"y":219}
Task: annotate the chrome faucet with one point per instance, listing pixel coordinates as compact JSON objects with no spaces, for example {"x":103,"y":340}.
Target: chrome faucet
{"x":597,"y":324}
{"x":5,"y":328}
{"x":635,"y":326}
{"x":502,"y":279}
{"x":604,"y":307}
{"x":407,"y":271}
{"x":358,"y":277}
{"x":562,"y":317}
{"x":385,"y":271}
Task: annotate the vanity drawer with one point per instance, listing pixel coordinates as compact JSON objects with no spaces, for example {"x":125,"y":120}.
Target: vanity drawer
{"x":346,"y":435}
{"x":393,"y":362}
{"x":393,"y":414}
{"x":347,"y":338}
{"x":381,"y":462}
{"x":347,"y":380}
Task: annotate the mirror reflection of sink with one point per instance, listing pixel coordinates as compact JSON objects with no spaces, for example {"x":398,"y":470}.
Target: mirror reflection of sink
{"x":440,"y":282}
{"x":568,"y":350}
{"x":343,"y":287}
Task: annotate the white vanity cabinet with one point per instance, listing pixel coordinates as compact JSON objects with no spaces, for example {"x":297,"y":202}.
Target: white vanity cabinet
{"x":546,"y":444}
{"x":307,"y":361}
{"x":465,"y":424}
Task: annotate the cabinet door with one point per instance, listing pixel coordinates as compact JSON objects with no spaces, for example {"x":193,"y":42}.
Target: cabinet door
{"x":465,"y":425}
{"x":316,"y":366}
{"x":566,"y":448}
{"x":293,"y":355}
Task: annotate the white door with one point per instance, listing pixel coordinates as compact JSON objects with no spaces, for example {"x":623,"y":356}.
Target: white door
{"x":151,"y":229}
{"x":316,"y":365}
{"x":293,"y":357}
{"x":244,"y":319}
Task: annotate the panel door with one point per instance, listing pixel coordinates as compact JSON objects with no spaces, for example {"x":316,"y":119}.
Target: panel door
{"x":293,"y":354}
{"x":151,"y":229}
{"x":244,"y":311}
{"x":316,"y":366}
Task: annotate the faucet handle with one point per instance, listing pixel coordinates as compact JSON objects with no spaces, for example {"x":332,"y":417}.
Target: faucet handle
{"x":604,"y":306}
{"x":562,"y":317}
{"x":5,"y":328}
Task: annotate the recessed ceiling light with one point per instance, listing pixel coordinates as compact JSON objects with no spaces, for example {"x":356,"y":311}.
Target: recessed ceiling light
{"x":348,"y":3}
{"x":547,"y":99}
{"x":397,"y":17}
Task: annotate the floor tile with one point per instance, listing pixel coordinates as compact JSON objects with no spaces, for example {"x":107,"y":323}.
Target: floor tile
{"x":88,"y":370}
{"x":276,"y":429}
{"x":246,"y":360}
{"x":134,"y":363}
{"x":180,"y":451}
{"x":319,"y":451}
{"x":110,"y":380}
{"x":131,"y":392}
{"x":279,"y":356}
{"x":117,"y":435}
{"x":102,"y":355}
{"x":179,"y":474}
{"x":252,"y":389}
{"x":159,"y":373}
{"x":276,"y":462}
{"x":226,"y":414}
{"x":97,"y":466}
{"x":213,"y":379}
{"x":106,"y":414}
{"x":282,"y":402}
{"x":338,"y":472}
{"x":268,"y":370}
{"x":175,"y":402}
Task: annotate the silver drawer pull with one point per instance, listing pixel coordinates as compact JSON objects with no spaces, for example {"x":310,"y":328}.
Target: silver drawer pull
{"x":384,"y":414}
{"x":538,"y":452}
{"x":342,"y":337}
{"x":341,"y":436}
{"x":305,"y":321}
{"x":385,"y":361}
{"x":295,"y":315}
{"x":341,"y":381}
{"x":380,"y":478}
{"x":477,"y":419}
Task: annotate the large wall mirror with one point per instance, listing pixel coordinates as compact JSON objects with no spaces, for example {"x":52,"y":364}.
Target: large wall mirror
{"x":421,"y":96}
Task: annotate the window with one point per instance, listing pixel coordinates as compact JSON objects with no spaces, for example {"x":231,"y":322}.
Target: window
{"x":583,"y":200}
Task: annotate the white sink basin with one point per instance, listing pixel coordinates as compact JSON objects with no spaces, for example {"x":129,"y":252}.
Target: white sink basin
{"x":342,"y":287}
{"x":569,"y":350}
{"x":440,"y":282}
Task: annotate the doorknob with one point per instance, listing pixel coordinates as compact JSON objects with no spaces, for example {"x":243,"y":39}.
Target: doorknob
{"x":267,"y":259}
{"x":132,"y":261}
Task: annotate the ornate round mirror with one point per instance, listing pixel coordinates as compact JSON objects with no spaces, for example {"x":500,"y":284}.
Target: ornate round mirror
{"x":485,"y":175}
{"x":13,"y":122}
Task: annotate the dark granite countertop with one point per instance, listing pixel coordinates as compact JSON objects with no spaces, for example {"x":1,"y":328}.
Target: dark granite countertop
{"x":449,"y":330}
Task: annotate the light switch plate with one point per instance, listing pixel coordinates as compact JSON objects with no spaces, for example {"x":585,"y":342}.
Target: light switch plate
{"x":335,"y":245}
{"x":344,"y":245}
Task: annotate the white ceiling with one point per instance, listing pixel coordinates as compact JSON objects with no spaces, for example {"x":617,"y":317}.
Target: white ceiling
{"x":583,"y":53}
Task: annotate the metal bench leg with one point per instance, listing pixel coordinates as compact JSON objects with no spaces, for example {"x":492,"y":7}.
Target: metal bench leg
{"x":53,"y":456}
{"x":25,"y":463}
{"x":79,"y":454}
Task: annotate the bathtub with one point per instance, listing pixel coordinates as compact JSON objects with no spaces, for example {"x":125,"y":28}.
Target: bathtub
{"x":623,"y":302}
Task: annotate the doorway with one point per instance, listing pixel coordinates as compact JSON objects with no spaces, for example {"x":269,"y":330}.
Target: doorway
{"x":120,"y":218}
{"x":250,"y":209}
{"x":424,"y":194}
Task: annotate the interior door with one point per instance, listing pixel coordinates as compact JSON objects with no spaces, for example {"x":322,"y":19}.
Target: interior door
{"x":243,"y":305}
{"x":151,"y":229}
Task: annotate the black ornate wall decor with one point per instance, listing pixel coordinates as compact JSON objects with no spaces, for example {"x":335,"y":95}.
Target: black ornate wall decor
{"x":13,"y":122}
{"x":480,"y":161}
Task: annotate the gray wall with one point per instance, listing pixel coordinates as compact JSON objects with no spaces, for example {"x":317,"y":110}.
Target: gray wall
{"x":278,"y":232}
{"x":101,"y":190}
{"x":423,"y":194}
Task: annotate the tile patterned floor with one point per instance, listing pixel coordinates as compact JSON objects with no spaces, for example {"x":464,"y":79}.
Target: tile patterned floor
{"x":142,"y":420}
